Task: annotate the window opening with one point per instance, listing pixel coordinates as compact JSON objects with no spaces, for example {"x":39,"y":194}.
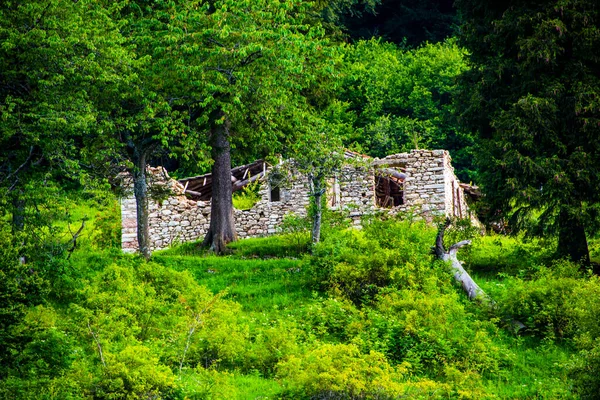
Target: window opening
{"x":275,"y":194}
{"x":389,"y":191}
{"x":333,"y":193}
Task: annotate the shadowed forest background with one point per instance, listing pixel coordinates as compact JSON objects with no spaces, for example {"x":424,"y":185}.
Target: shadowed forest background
{"x":92,"y":89}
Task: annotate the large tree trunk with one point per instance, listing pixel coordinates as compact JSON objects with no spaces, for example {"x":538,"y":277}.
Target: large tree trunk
{"x":222,"y":224}
{"x":140,"y":191}
{"x":572,"y":241}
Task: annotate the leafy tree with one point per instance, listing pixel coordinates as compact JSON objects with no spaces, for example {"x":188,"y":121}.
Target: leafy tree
{"x":532,"y":94}
{"x":52,"y":52}
{"x":317,"y":156}
{"x":402,"y":99}
{"x":244,"y":68}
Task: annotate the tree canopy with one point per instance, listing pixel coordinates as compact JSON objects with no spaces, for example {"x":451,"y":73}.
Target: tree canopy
{"x":403,"y":99}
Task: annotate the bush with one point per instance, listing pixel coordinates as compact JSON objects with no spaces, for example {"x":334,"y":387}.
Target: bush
{"x":359,"y":264}
{"x":330,"y":319}
{"x":508,"y":255}
{"x":246,"y":198}
{"x":543,"y":303}
{"x":585,"y":369}
{"x":339,"y":372}
{"x":430,"y":332}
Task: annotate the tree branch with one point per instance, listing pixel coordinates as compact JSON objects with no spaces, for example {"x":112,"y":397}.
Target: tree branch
{"x":27,"y":160}
{"x":97,"y":344}
{"x":74,"y":238}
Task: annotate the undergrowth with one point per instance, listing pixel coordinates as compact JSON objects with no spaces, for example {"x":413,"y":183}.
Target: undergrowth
{"x":365,"y":314}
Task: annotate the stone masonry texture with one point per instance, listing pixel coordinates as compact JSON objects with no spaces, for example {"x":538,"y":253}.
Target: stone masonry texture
{"x":431,"y":189}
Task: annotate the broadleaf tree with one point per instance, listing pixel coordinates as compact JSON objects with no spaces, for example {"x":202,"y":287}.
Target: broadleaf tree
{"x":245,"y":68}
{"x":403,"y":99}
{"x":53,"y":53}
{"x":533,"y":96}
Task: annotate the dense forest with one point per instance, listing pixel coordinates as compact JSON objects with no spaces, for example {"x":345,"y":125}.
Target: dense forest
{"x":94,"y":90}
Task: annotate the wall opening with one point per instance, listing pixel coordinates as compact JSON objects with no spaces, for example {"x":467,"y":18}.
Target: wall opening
{"x":389,"y":188}
{"x":275,"y":194}
{"x":388,"y":192}
{"x":333,"y":193}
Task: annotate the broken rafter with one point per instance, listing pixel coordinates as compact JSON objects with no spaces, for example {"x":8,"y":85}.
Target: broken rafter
{"x":389,"y":172}
{"x":200,"y":187}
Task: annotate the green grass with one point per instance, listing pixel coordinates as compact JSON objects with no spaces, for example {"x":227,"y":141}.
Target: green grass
{"x":267,"y":277}
{"x":227,"y":386}
{"x":261,"y":276}
{"x":537,"y":372}
{"x":257,"y":284}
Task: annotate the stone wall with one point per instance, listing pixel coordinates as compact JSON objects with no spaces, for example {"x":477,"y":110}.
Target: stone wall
{"x":430,"y":189}
{"x":178,"y":219}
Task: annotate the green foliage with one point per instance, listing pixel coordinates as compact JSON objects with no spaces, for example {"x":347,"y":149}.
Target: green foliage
{"x":21,"y":286}
{"x":358,"y":264}
{"x":585,"y":369}
{"x":402,"y":99}
{"x":247,"y":197}
{"x":532,"y":97}
{"x":338,"y":371}
{"x":430,"y":333}
{"x":549,"y":302}
{"x":329,"y":319}
{"x":107,"y":227}
{"x":389,"y":323}
{"x":286,"y":245}
{"x":502,"y":255}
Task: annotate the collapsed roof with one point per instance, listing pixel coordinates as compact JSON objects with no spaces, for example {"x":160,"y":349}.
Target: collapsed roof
{"x":200,"y":187}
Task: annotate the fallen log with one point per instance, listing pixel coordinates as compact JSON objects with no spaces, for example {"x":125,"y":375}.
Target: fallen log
{"x":474,"y":292}
{"x":460,"y":274}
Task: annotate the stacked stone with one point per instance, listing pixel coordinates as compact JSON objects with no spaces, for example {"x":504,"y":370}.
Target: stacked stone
{"x":357,"y":191}
{"x":430,"y":189}
{"x":425,"y":184}
{"x":266,"y":216}
{"x":177,"y":220}
{"x":129,"y":242}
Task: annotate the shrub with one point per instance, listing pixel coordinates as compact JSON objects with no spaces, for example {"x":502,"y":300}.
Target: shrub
{"x":585,"y":369}
{"x":508,"y":255}
{"x":339,"y":371}
{"x":330,"y":318}
{"x":359,"y":264}
{"x":543,"y":303}
{"x":246,"y":198}
{"x":107,"y":227}
{"x":430,"y":332}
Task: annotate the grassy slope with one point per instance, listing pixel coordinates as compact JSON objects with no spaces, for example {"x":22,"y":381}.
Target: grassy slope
{"x":263,"y":277}
{"x":272,"y":285}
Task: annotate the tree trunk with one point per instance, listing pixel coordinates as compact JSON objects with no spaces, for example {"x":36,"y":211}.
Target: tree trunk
{"x":572,"y":241}
{"x":316,"y":228}
{"x":222,"y":225}
{"x":18,"y":212}
{"x":474,"y":292}
{"x":317,"y":190}
{"x":140,"y":191}
{"x":460,"y":274}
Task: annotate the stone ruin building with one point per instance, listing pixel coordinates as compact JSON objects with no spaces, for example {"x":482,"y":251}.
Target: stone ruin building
{"x":421,"y":182}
